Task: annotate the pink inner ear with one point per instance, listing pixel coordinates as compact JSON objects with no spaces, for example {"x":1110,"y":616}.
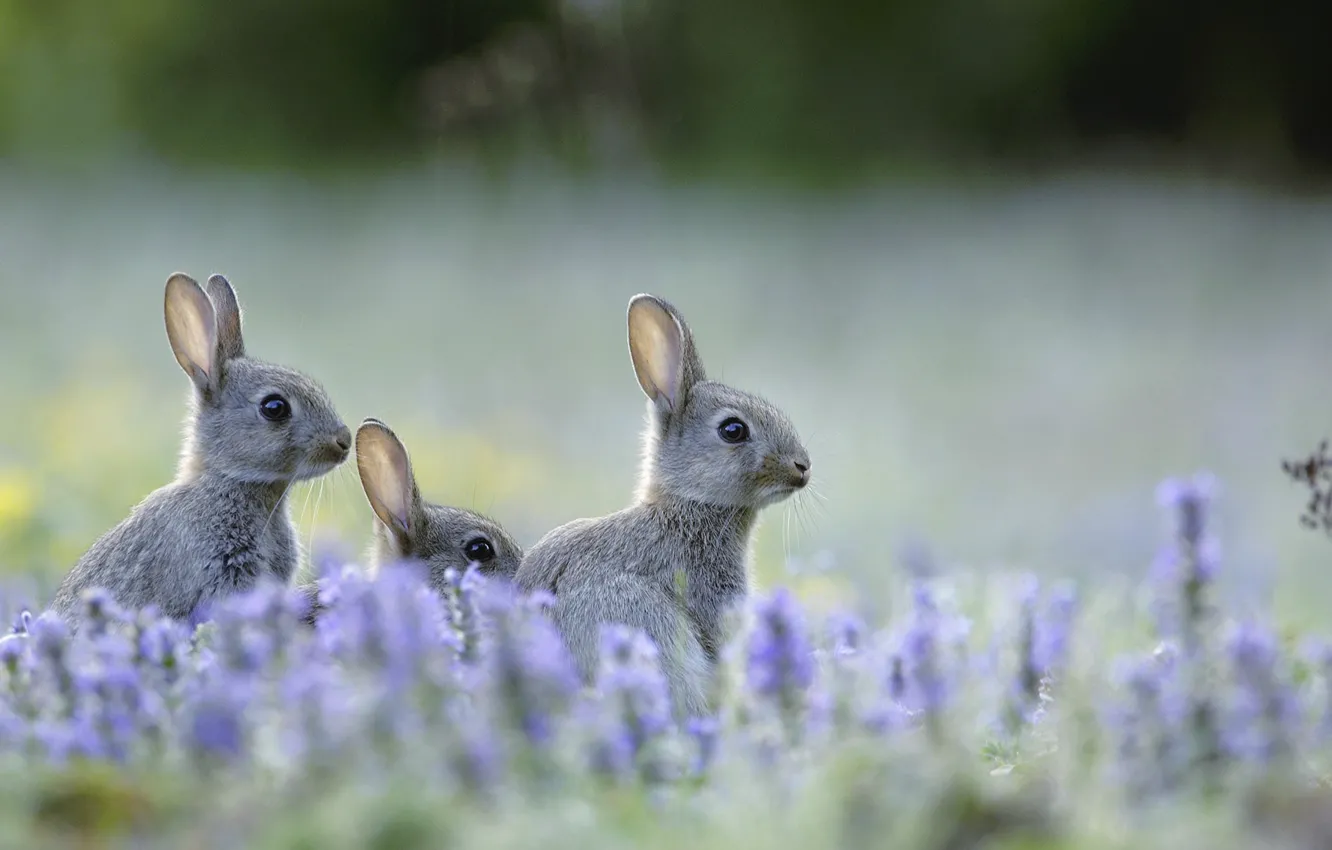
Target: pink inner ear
{"x":386,"y":469}
{"x":190,"y":314}
{"x":657,"y":352}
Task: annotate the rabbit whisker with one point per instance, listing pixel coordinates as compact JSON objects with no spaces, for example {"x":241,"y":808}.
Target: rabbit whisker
{"x":813,"y":489}
{"x":314,"y":520}
{"x":721,"y":532}
{"x":281,"y":501}
{"x":786,"y":532}
{"x":305,"y":505}
{"x":805,"y":516}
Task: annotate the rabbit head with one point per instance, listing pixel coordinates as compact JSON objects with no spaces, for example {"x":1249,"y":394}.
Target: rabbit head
{"x":408,"y":527}
{"x":250,"y":420}
{"x":705,"y":441}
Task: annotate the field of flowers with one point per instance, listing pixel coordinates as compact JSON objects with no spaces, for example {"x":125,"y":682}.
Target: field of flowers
{"x":1004,"y":718}
{"x":1004,"y":375}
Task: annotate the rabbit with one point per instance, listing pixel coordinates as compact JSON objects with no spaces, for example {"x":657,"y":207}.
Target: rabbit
{"x":407,"y":527}
{"x":714,"y":457}
{"x":254,"y":429}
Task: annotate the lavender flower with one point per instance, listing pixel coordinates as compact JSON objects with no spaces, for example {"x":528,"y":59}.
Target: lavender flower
{"x":1042,"y":647}
{"x":530,"y":672}
{"x":847,"y":635}
{"x":100,"y":611}
{"x":919,"y":679}
{"x":1184,"y":572}
{"x":635,"y":706}
{"x":781,"y":660}
{"x":476,"y":752}
{"x":469,"y":690}
{"x":216,"y":729}
{"x":1150,"y":749}
{"x":1264,"y":710}
{"x":464,"y":605}
{"x":704,"y":732}
{"x":1186,"y":568}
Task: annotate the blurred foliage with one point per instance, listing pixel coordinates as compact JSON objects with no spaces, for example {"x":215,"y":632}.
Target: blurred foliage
{"x":784,"y":85}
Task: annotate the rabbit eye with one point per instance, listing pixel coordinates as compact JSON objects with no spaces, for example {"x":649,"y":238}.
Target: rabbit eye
{"x":733,"y":430}
{"x":275,"y":408}
{"x":479,"y":549}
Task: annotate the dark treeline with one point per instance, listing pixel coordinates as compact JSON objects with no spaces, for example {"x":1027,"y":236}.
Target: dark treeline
{"x":782,"y":83}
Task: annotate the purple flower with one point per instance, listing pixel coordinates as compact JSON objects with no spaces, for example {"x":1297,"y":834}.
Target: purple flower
{"x":897,"y":681}
{"x":1186,"y":568}
{"x":49,"y":635}
{"x":200,"y":614}
{"x":781,"y":658}
{"x":635,"y":703}
{"x":918,"y":675}
{"x":476,"y":753}
{"x":392,"y":621}
{"x":216,"y":729}
{"x":1264,"y":708}
{"x":465,"y":606}
{"x":705,"y":733}
{"x":1054,"y":630}
{"x":66,"y":738}
{"x":161,"y":645}
{"x":847,"y":635}
{"x":100,"y":611}
{"x":1042,"y":647}
{"x":916,"y":558}
{"x":530,"y":673}
{"x":1189,"y":500}
{"x":1150,"y":741}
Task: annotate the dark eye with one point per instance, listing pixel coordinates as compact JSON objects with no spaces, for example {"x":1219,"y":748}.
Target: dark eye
{"x":733,"y":430}
{"x":479,"y":549}
{"x":274,"y":408}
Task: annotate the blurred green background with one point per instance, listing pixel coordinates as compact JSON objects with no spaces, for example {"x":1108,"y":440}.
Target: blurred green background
{"x":1006,"y":265}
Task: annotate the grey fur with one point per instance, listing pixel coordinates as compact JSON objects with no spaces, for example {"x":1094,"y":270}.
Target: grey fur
{"x":224,"y":521}
{"x":691,"y":523}
{"x":407,"y":527}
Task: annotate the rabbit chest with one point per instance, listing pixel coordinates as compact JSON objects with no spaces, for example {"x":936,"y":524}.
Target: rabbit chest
{"x":711,"y":561}
{"x":247,"y":536}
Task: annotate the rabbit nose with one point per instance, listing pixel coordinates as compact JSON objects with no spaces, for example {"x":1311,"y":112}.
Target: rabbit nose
{"x":344,"y":439}
{"x":801,"y":465}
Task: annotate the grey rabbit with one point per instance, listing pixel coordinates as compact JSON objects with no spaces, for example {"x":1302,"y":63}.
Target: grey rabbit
{"x":254,"y":428}
{"x":407,"y":527}
{"x":675,"y":562}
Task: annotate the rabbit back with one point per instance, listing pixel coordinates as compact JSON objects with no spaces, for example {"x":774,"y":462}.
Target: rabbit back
{"x":186,"y":545}
{"x":636,"y":601}
{"x":672,"y":569}
{"x":608,"y":571}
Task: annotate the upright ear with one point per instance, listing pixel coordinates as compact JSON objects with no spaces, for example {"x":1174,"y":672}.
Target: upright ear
{"x":229,"y":342}
{"x":386,"y":475}
{"x":192,"y":330}
{"x":662,"y":349}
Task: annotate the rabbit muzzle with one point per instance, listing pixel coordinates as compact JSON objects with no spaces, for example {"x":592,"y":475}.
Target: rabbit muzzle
{"x":783,"y":476}
{"x":331,"y":454}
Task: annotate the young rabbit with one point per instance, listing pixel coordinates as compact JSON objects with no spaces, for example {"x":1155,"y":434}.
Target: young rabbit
{"x":408,"y":527}
{"x":254,"y":428}
{"x":676,"y":561}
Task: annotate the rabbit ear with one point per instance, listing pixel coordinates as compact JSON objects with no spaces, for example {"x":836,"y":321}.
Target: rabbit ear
{"x":386,"y":475}
{"x":229,"y":341}
{"x":662,"y":349}
{"x":192,"y":330}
